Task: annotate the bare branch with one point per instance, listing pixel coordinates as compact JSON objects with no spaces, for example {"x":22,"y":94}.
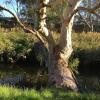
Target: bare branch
{"x":36,"y":33}
{"x":85,"y":20}
{"x":97,"y":6}
{"x":93,"y":11}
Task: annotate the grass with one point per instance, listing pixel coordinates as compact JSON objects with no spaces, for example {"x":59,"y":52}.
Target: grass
{"x":86,"y":41}
{"x":12,"y":93}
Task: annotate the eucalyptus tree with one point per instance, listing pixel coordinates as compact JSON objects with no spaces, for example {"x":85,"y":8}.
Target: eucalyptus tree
{"x":59,"y":71}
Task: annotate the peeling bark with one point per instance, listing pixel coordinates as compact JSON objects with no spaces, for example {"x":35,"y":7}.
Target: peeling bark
{"x":59,"y":72}
{"x":43,"y":15}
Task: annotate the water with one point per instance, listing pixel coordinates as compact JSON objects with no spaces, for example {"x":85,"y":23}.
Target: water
{"x":35,"y":75}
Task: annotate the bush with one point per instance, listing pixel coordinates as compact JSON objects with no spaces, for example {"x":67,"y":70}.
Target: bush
{"x":16,"y":43}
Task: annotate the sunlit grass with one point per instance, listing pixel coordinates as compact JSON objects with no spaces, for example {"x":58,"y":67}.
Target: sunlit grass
{"x":12,"y":93}
{"x":86,"y":41}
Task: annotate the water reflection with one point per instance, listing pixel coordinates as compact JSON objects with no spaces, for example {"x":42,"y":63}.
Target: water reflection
{"x":35,"y":75}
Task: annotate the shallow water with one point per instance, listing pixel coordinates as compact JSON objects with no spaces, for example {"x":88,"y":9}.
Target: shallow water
{"x":34,"y":74}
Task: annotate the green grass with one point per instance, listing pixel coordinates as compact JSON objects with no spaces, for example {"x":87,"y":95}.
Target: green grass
{"x":86,"y":41}
{"x":11,"y":93}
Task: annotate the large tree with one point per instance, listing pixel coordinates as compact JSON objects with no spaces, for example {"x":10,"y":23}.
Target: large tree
{"x":59,"y":72}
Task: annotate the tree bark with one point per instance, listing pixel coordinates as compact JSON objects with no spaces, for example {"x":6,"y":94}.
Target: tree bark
{"x":36,"y":14}
{"x":43,"y":14}
{"x":60,"y":73}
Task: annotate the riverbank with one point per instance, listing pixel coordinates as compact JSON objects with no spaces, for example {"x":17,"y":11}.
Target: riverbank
{"x":21,"y":53}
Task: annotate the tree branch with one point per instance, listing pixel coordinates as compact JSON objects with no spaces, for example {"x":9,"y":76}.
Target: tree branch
{"x":97,"y":6}
{"x":36,"y":33}
{"x":93,"y":11}
{"x":85,"y":21}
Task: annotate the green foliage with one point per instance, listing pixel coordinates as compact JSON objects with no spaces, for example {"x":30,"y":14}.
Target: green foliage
{"x":86,"y":48}
{"x":74,"y":63}
{"x":12,"y":93}
{"x":16,"y":43}
{"x":22,"y":42}
{"x":57,"y":7}
{"x":86,"y":41}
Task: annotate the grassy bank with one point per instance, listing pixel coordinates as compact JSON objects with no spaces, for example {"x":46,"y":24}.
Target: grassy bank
{"x":11,"y":93}
{"x":86,"y":50}
{"x":86,"y":41}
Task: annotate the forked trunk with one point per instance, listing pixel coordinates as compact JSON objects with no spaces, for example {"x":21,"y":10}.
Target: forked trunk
{"x":60,"y":73}
{"x":58,"y":70}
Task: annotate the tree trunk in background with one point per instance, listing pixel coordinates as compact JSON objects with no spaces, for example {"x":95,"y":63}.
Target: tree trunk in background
{"x":89,"y":15}
{"x":59,"y":71}
{"x":36,"y":14}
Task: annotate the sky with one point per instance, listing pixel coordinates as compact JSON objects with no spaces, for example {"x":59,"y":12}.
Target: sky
{"x":11,"y":7}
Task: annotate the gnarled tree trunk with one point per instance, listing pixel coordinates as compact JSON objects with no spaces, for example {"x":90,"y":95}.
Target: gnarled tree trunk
{"x":59,"y":72}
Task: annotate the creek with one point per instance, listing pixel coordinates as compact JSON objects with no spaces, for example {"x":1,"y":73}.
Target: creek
{"x":35,"y":76}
